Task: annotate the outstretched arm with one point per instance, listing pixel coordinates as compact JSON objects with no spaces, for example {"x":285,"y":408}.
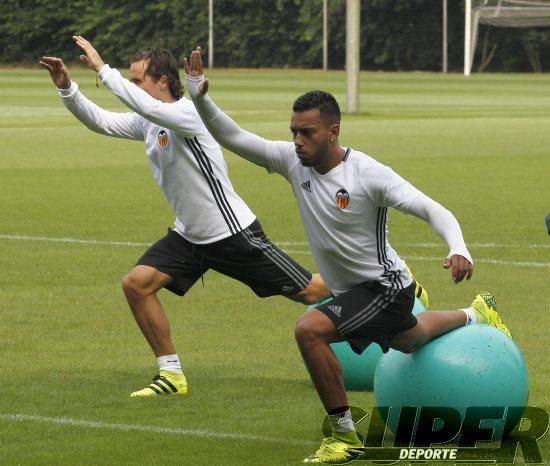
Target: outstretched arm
{"x":58,"y":71}
{"x":228,"y":133}
{"x":163,"y":114}
{"x":447,"y":227}
{"x":90,"y":56}
{"x":389,"y":189}
{"x":123,"y":125}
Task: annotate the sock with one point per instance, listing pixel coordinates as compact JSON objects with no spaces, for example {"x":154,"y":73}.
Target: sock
{"x":170,"y":363}
{"x":471,"y":316}
{"x":342,"y":426}
{"x":341,"y":422}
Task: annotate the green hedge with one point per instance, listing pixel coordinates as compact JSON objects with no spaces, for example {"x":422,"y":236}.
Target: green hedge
{"x":396,"y":34}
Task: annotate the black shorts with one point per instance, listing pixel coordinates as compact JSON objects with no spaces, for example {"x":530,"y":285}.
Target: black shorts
{"x":247,"y":256}
{"x":371,"y":312}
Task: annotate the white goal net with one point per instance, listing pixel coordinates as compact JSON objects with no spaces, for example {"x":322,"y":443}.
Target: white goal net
{"x":502,"y":13}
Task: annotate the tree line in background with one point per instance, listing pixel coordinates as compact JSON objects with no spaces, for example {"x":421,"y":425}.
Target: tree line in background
{"x":395,"y":34}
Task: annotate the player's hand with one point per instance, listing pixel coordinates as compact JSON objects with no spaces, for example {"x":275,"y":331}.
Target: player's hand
{"x":194,"y":68}
{"x":91,"y":57}
{"x":460,"y":267}
{"x":58,"y":71}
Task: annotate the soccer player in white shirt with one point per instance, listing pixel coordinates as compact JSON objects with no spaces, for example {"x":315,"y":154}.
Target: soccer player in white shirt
{"x":214,"y":228}
{"x":344,"y":196}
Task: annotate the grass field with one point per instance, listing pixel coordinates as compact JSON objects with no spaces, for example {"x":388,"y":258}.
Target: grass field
{"x":77,"y":210}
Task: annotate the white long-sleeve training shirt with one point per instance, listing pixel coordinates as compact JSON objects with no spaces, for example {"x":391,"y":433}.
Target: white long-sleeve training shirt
{"x":185,"y":160}
{"x":344,"y":211}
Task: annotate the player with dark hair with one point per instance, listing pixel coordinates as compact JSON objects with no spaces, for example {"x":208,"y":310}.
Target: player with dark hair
{"x":329,"y":110}
{"x":344,"y":197}
{"x":214,"y":228}
{"x":158,"y":63}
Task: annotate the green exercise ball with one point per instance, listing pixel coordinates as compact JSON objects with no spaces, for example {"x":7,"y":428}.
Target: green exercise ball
{"x":472,"y":366}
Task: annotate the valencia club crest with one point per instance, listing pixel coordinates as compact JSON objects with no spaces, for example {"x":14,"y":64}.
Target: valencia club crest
{"x":342,"y":198}
{"x":162,"y":138}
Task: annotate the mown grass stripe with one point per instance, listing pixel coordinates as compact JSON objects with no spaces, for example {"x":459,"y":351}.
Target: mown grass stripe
{"x":202,"y":433}
{"x":287,"y":243}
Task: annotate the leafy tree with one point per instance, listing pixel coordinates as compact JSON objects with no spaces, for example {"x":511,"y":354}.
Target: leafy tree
{"x":395,"y":34}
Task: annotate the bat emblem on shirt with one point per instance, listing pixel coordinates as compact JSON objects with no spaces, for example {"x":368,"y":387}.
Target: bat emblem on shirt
{"x":342,"y":198}
{"x":163,"y":139}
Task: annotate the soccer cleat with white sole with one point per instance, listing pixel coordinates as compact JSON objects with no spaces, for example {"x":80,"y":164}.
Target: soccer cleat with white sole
{"x":334,"y":451}
{"x":484,"y":306}
{"x":164,"y":383}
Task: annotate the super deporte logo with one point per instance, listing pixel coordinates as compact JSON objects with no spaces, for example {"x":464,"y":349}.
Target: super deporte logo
{"x":481,"y":434}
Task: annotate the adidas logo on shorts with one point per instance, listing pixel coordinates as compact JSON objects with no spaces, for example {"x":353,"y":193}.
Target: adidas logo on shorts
{"x":336,"y":309}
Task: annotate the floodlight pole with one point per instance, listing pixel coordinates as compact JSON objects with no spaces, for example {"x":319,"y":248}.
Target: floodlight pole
{"x":353,"y":15}
{"x":445,"y":35}
{"x":468,"y":38}
{"x":325,"y":35}
{"x":210,"y":33}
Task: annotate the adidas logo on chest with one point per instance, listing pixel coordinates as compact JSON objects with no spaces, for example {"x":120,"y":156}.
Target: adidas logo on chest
{"x":306,"y":186}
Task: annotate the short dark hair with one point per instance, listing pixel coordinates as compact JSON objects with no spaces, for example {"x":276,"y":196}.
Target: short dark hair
{"x":324,"y":101}
{"x":161,"y":62}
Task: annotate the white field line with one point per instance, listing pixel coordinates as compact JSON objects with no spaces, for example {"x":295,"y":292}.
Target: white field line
{"x":487,"y":261}
{"x":476,"y":261}
{"x":34,"y":128}
{"x":279,"y":243}
{"x":200,"y":433}
{"x":72,"y":240}
{"x":282,"y":244}
{"x":441,"y":245}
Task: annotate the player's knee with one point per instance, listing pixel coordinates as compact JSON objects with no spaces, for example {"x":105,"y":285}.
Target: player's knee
{"x":407,"y":348}
{"x":309,"y":297}
{"x":135,"y":284}
{"x":406,"y":345}
{"x":313,"y":328}
{"x":315,"y":291}
{"x":411,"y":340}
{"x":305,"y":331}
{"x":130,"y":285}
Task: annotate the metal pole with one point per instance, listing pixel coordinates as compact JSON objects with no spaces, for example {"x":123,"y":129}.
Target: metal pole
{"x":210,"y":33}
{"x":353,"y":13}
{"x":325,"y":36}
{"x":445,"y":37}
{"x":467,"y":38}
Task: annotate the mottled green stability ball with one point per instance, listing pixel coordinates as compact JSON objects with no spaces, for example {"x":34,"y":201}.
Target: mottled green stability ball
{"x":473,"y":366}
